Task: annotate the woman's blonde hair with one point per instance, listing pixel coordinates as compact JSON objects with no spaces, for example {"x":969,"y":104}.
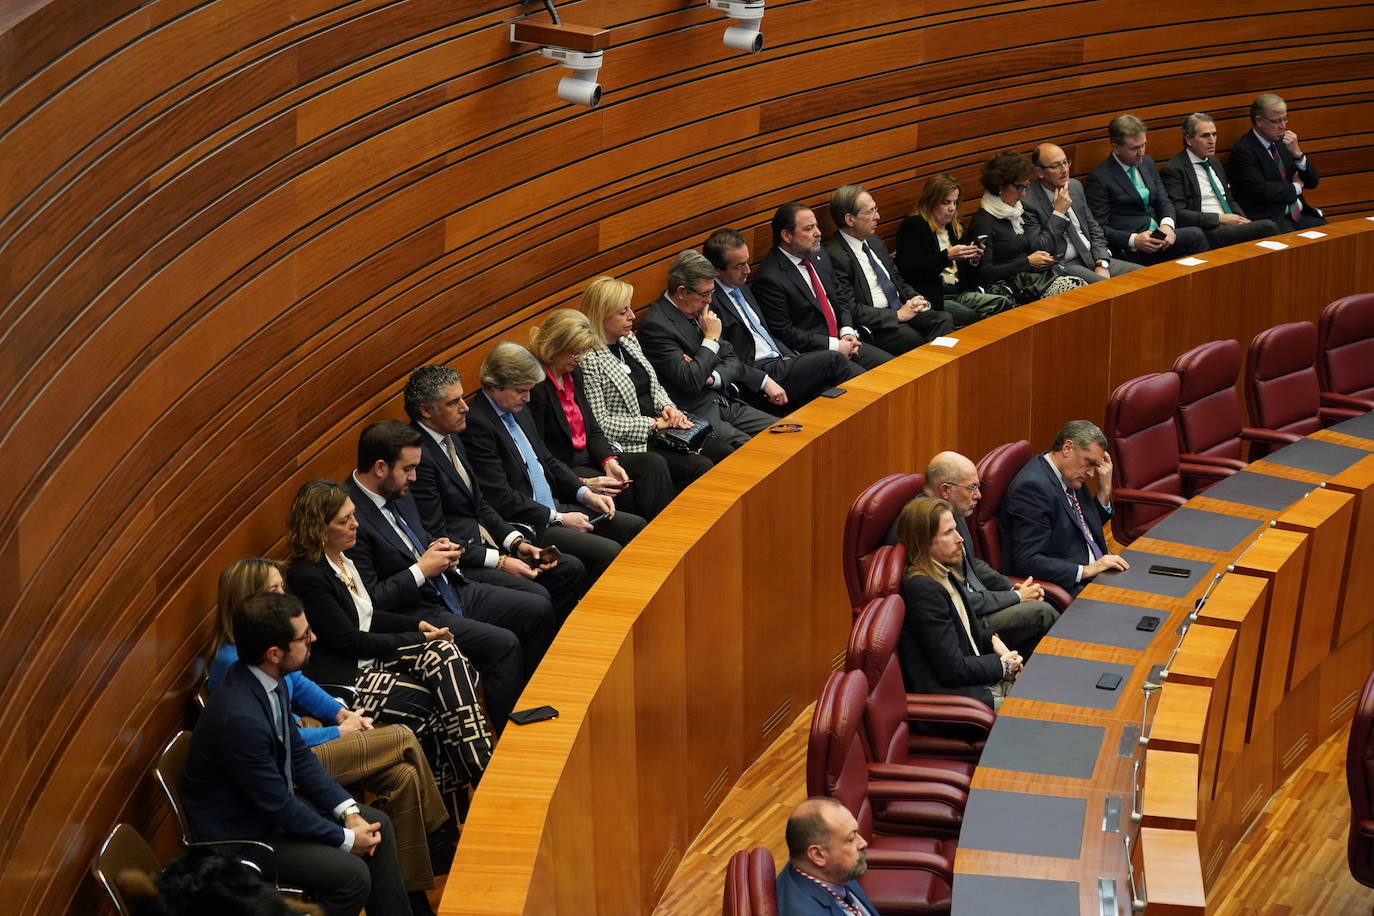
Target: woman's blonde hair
{"x":603,"y":298}
{"x":916,"y":528}
{"x":315,"y":505}
{"x":563,"y":333}
{"x":238,"y":581}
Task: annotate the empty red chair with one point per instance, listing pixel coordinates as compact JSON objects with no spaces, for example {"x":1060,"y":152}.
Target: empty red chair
{"x":1359,"y":777}
{"x":996,"y":471}
{"x":866,"y":526}
{"x":1148,"y":473}
{"x":1345,"y":353}
{"x":906,"y":874}
{"x":1211,"y":425}
{"x":750,"y":884}
{"x":1281,"y":387}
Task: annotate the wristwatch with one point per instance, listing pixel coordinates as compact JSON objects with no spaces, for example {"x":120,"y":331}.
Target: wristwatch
{"x":351,"y":809}
{"x":1103,"y":262}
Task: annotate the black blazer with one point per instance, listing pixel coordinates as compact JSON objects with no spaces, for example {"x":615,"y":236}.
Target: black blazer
{"x":933,"y":649}
{"x":501,"y":471}
{"x":339,"y":644}
{"x":735,"y":330}
{"x":921,"y":260}
{"x":666,"y":336}
{"x":552,"y":422}
{"x":1007,"y":253}
{"x":234,"y":783}
{"x":851,"y":274}
{"x":789,"y":304}
{"x":384,"y":560}
{"x":447,"y":506}
{"x":1261,"y":187}
{"x":1180,"y":181}
{"x":1117,"y":205}
{"x":1040,"y":533}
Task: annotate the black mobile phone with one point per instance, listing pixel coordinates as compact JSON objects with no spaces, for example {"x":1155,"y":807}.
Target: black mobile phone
{"x":1178,"y":572}
{"x":596,"y":518}
{"x":1148,"y":623}
{"x":981,"y":241}
{"x":545,"y":555}
{"x":537,"y":714}
{"x":1107,"y":681}
{"x":1158,"y":234}
{"x":832,"y":392}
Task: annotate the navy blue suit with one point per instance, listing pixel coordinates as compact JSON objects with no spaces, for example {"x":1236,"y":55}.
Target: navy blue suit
{"x":1265,"y":188}
{"x":1040,"y":532}
{"x":1119,"y":209}
{"x":799,"y":897}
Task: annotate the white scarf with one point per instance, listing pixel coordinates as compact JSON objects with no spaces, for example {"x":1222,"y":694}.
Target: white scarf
{"x":1000,"y":209}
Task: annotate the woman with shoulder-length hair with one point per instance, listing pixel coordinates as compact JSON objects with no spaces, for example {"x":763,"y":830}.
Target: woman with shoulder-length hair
{"x":639,"y":481}
{"x":623,"y":390}
{"x":386,"y":761}
{"x":405,"y":669}
{"x":944,"y":648}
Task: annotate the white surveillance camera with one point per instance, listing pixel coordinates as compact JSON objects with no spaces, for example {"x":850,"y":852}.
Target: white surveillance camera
{"x":746,"y":34}
{"x":581,"y":88}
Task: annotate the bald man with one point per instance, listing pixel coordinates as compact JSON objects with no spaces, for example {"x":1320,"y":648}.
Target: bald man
{"x":1017,"y":613}
{"x":1057,"y":209}
{"x":825,"y":860}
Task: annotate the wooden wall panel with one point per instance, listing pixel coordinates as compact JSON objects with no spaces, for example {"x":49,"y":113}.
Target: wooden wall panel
{"x":229,"y":228}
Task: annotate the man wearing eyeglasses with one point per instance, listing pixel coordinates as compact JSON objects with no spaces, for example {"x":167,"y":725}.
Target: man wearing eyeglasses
{"x":1127,"y":197}
{"x":1202,"y":196}
{"x":1269,"y":170}
{"x":1056,"y":204}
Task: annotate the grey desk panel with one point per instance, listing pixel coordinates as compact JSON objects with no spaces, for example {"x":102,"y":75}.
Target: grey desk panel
{"x":1362,"y":426}
{"x":1107,"y":623}
{"x":1023,"y":824}
{"x":1259,"y":490}
{"x":1317,"y":456}
{"x":1070,"y":681}
{"x":1139,"y":578}
{"x":1208,"y":530}
{"x":982,"y":895}
{"x":1044,"y":748}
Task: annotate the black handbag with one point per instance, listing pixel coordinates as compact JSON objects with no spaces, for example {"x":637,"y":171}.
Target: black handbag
{"x":683,"y":440}
{"x":1030,"y":285}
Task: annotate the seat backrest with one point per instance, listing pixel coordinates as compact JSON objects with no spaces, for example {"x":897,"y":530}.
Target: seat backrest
{"x":750,"y":884}
{"x":867,"y":524}
{"x":872,"y":651}
{"x":884,"y":573}
{"x":1345,"y":350}
{"x":1281,"y":387}
{"x":1209,"y":414}
{"x":123,"y":850}
{"x":1359,"y":777}
{"x":167,"y":771}
{"x":836,"y":763}
{"x":996,"y":471}
{"x":1142,"y":435}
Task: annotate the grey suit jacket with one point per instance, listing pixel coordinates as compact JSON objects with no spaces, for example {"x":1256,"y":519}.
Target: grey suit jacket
{"x":1058,"y":232}
{"x":1180,"y":181}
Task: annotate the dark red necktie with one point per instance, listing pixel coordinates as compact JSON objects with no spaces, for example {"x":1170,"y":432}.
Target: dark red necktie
{"x":821,"y":298}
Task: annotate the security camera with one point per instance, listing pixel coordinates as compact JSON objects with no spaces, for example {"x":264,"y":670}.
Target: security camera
{"x":746,"y":34}
{"x":577,"y":47}
{"x":581,"y":88}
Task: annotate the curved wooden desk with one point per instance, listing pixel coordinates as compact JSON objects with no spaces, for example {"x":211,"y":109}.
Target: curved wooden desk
{"x":726,"y":615}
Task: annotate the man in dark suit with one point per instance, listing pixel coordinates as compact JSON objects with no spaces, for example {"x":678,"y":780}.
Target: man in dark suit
{"x":806,"y":306}
{"x":1051,"y":523}
{"x":503,"y":632}
{"x":1056,"y":209}
{"x":450,"y":500}
{"x":249,"y":776}
{"x":523,"y":481}
{"x":1196,"y":183}
{"x":898,"y":318}
{"x":826,"y":858}
{"x":681,"y":335}
{"x":1269,"y":170}
{"x":801,"y":375}
{"x":1129,"y":201}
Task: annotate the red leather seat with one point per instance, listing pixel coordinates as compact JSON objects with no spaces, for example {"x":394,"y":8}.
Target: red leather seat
{"x":1211,"y":426}
{"x":867,"y":523}
{"x":1345,"y":353}
{"x":1142,"y":437}
{"x":750,"y":884}
{"x":1281,"y":387}
{"x":1359,"y":777}
{"x":996,"y":470}
{"x":886,"y":565}
{"x":906,"y":874}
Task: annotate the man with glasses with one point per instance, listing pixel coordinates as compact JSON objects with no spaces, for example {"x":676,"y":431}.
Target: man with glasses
{"x":681,"y":335}
{"x":1269,"y":170}
{"x":1127,"y":197}
{"x":1196,"y":182}
{"x":1051,"y":522}
{"x":1056,"y":207}
{"x":897,"y":317}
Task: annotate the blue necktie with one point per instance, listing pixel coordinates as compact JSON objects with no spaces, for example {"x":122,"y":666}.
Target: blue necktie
{"x":440,"y":582}
{"x":284,"y":730}
{"x":538,"y":482}
{"x":884,"y":281}
{"x":753,"y":320}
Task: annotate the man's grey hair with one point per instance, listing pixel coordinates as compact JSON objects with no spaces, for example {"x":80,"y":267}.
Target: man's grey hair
{"x":1123,"y":127}
{"x":509,"y":364}
{"x":426,"y":387}
{"x":845,"y":202}
{"x":1082,"y":433}
{"x":1263,"y":102}
{"x":688,"y":269}
{"x":1190,"y":123}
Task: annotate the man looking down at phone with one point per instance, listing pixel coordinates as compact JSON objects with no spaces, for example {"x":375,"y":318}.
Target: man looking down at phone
{"x":1129,"y":200}
{"x":451,"y":502}
{"x":1057,"y":204}
{"x":525,"y":483}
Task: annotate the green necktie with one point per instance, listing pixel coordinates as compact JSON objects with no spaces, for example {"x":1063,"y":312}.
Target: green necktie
{"x":1216,"y":188}
{"x":1144,"y":193}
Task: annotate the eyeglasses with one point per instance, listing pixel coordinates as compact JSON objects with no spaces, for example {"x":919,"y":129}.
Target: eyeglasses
{"x":304,"y":637}
{"x":971,"y":487}
{"x":702,"y":293}
{"x":1282,"y":120}
{"x":1061,"y":164}
{"x":871,"y":211}
{"x":1022,"y":187}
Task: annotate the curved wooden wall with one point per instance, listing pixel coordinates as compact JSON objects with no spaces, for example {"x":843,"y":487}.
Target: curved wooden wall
{"x":229,"y":228}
